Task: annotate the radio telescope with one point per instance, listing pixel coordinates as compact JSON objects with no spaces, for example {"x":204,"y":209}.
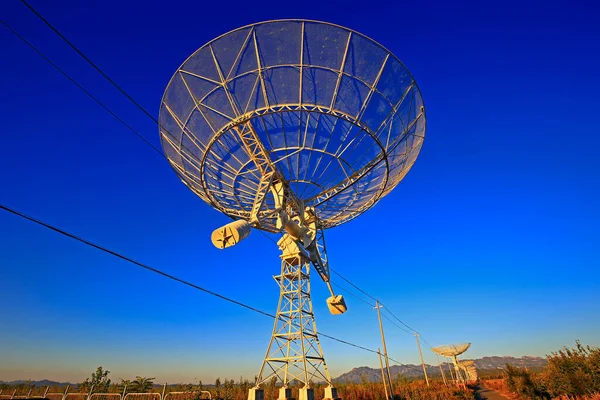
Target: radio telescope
{"x":292,"y":127}
{"x":453,"y":351}
{"x":470,"y":370}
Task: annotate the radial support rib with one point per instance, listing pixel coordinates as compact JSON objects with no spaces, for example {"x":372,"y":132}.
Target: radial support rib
{"x":356,"y":176}
{"x":261,"y":192}
{"x":260,"y":157}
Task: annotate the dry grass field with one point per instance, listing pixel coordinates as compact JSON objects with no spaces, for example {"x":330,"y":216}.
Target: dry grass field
{"x":571,"y":374}
{"x":413,"y":390}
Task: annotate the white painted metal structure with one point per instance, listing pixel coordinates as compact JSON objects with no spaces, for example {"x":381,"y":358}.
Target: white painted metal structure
{"x":468,"y":366}
{"x":188,"y":395}
{"x":452,"y":351}
{"x":292,"y":126}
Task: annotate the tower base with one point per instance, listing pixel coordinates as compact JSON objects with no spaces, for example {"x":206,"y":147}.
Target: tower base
{"x":331,"y":394}
{"x":285,"y":394}
{"x":306,"y":394}
{"x":256,"y":394}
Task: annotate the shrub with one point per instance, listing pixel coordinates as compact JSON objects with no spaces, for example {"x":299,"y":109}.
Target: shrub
{"x":573,"y":371}
{"x":521,"y":382}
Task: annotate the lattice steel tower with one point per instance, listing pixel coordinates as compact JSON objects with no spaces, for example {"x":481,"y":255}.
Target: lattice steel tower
{"x":294,"y":353}
{"x":292,"y":127}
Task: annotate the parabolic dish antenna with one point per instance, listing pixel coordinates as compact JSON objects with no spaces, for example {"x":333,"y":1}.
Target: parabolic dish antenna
{"x":467,"y":363}
{"x":469,"y":369}
{"x":464,"y":369}
{"x":451,"y":350}
{"x":292,"y":126}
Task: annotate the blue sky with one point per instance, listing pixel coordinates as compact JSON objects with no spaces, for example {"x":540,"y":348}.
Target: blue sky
{"x":491,"y":238}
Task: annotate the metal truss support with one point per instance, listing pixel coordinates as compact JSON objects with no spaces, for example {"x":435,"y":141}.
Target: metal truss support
{"x":260,"y":157}
{"x":322,"y":262}
{"x":459,"y":372}
{"x":261,"y":192}
{"x":255,"y":149}
{"x":294,"y":356}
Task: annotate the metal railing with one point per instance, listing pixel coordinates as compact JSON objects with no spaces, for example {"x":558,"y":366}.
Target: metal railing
{"x":105,"y":396}
{"x":188,"y":395}
{"x":143,"y":396}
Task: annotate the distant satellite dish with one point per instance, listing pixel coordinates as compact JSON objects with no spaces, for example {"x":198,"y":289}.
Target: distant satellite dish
{"x":465,"y":370}
{"x":467,"y":363}
{"x":469,"y":369}
{"x":451,"y":350}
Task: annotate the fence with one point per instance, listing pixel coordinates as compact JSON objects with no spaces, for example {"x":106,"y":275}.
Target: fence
{"x":186,"y":395}
{"x":107,"y":396}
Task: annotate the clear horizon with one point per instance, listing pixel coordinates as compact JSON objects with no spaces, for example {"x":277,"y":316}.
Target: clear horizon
{"x":158,"y":381}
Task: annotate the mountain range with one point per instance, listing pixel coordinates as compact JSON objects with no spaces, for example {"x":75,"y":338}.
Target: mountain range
{"x":494,"y":363}
{"x":43,"y":382}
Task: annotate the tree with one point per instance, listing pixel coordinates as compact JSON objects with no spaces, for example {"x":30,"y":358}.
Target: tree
{"x":218,"y":387}
{"x":124,"y":385}
{"x":99,"y":382}
{"x":141,"y":384}
{"x":228,"y":389}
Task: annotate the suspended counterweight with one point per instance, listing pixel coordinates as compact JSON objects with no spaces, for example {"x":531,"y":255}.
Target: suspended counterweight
{"x":230,"y":234}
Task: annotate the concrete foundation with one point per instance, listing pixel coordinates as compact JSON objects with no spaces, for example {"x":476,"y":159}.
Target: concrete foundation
{"x":331,"y":393}
{"x":285,"y":394}
{"x":256,"y":394}
{"x":306,"y":394}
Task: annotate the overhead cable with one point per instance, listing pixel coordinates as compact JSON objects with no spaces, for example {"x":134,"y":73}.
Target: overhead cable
{"x":129,"y":127}
{"x":84,"y":90}
{"x":394,"y":323}
{"x":149,"y":115}
{"x":130,"y":260}
{"x":352,"y":284}
{"x":399,"y":320}
{"x":157,"y":271}
{"x":67,"y":41}
{"x":353,"y":294}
